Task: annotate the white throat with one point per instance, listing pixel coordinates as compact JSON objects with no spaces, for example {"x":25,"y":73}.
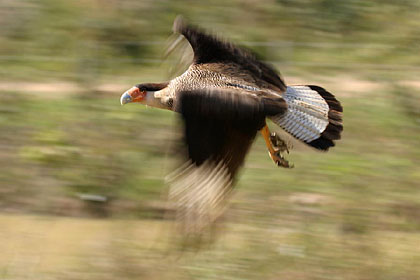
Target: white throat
{"x":156,"y":99}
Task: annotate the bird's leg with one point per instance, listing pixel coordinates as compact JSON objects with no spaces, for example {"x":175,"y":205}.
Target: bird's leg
{"x":279,"y":143}
{"x":275,"y":147}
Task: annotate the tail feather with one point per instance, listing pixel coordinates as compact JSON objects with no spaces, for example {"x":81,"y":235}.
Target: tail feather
{"x":314,"y":116}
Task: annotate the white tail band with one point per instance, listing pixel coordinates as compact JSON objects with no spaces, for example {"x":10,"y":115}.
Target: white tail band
{"x":307,"y":113}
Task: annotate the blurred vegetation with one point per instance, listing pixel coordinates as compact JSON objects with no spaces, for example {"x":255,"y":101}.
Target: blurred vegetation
{"x":88,"y":39}
{"x":351,"y":213}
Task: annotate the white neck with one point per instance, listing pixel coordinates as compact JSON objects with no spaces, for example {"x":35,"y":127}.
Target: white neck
{"x":155,"y":99}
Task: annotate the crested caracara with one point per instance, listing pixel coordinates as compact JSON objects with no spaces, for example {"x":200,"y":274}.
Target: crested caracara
{"x":224,"y":99}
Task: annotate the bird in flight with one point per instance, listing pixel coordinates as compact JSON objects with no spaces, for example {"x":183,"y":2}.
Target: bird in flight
{"x":224,"y":99}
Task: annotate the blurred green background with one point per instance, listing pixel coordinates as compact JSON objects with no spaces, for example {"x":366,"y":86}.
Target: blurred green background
{"x":82,"y":178}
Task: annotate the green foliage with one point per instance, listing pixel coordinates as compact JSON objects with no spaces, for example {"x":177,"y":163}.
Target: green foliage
{"x":351,"y":213}
{"x":82,"y":40}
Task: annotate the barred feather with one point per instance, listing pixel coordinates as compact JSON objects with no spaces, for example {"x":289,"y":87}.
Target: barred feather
{"x":199,"y":194}
{"x":314,"y":116}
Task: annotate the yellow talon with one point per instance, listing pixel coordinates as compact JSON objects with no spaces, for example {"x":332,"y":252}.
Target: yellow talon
{"x":275,"y":154}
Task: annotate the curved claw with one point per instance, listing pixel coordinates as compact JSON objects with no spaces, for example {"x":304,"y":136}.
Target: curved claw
{"x":280,"y":160}
{"x":276,"y":146}
{"x":279,"y":143}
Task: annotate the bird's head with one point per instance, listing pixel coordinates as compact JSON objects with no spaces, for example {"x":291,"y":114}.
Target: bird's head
{"x":141,"y":92}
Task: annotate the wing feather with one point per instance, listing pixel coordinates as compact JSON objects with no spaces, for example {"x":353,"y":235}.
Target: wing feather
{"x":220,"y":127}
{"x":210,"y":49}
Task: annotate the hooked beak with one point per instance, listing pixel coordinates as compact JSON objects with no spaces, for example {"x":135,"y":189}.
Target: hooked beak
{"x":132,"y":95}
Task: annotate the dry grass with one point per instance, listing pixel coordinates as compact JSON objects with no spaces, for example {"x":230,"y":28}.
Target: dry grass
{"x":40,"y":247}
{"x":352,"y":213}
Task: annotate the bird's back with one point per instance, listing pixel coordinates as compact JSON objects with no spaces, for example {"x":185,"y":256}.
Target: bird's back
{"x":222,"y":76}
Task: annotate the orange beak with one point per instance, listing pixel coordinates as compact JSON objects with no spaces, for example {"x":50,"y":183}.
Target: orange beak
{"x":134,"y":94}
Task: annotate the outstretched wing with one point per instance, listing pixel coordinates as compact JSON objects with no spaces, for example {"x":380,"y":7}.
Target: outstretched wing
{"x":210,"y":49}
{"x":220,"y":126}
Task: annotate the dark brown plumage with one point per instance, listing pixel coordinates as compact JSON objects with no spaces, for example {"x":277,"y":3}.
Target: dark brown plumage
{"x":224,"y":99}
{"x":335,"y":124}
{"x":221,"y":124}
{"x":209,"y":49}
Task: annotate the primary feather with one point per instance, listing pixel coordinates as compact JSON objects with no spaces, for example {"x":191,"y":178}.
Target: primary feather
{"x":224,"y":98}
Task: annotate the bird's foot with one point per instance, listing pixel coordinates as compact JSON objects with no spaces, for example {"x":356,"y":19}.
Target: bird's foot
{"x":279,"y":159}
{"x":279,"y":143}
{"x":276,"y":146}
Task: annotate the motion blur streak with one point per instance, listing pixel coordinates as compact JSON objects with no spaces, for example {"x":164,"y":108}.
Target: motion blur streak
{"x":66,"y":144}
